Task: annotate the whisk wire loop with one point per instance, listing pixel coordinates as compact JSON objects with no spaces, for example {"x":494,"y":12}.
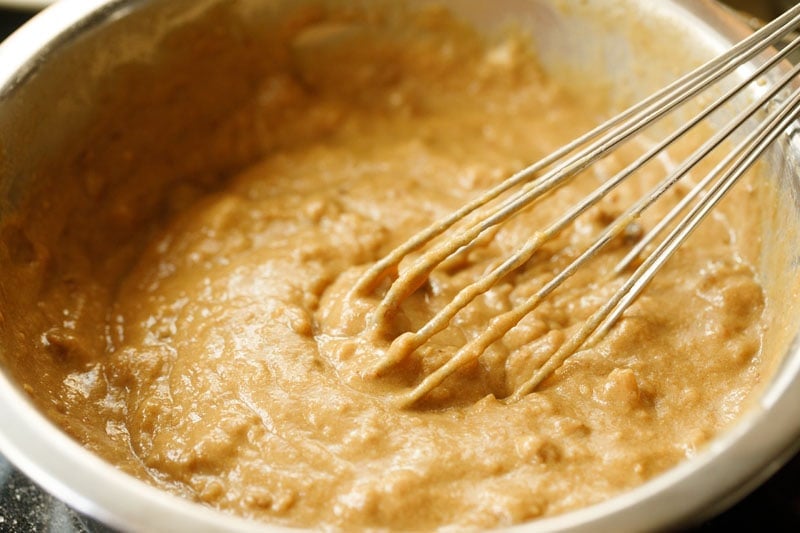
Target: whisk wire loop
{"x":562,"y":165}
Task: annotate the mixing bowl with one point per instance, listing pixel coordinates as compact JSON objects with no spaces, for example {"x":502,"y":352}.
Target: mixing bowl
{"x":90,"y":75}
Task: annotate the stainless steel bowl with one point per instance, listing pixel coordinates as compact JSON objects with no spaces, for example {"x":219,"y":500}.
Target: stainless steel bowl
{"x":54,"y":68}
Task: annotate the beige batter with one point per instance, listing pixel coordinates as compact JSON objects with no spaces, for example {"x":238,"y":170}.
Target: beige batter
{"x":231,"y":363}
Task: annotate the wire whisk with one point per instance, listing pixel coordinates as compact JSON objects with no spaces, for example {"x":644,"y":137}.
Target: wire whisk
{"x":757,"y":124}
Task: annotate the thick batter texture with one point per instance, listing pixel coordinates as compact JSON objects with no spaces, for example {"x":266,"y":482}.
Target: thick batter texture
{"x":231,"y":364}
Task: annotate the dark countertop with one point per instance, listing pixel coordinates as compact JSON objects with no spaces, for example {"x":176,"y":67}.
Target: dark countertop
{"x":10,"y":20}
{"x":774,"y":507}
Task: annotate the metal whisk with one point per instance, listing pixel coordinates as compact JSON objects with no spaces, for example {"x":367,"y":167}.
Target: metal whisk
{"x":774,"y":111}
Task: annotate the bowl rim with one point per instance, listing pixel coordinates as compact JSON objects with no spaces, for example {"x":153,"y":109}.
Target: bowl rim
{"x":734,"y":463}
{"x":30,"y":5}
